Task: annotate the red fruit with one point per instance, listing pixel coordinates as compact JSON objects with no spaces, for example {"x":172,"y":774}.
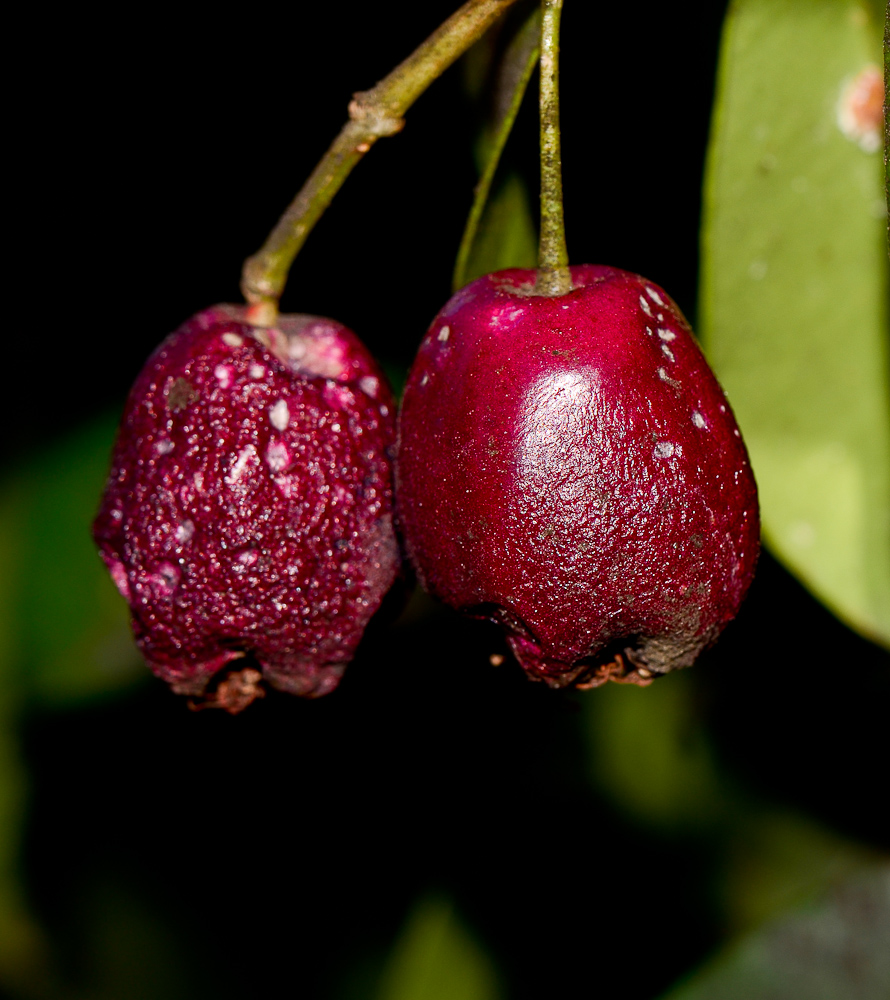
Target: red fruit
{"x":249,"y":505}
{"x":570,"y":468}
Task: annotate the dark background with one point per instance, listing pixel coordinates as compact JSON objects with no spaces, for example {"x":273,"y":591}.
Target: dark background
{"x":288,"y":843}
{"x":165,"y":151}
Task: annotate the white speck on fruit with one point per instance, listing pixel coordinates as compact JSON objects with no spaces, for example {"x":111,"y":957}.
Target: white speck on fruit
{"x":240,"y":464}
{"x":119,"y":575}
{"x":165,"y":580}
{"x":164,"y":446}
{"x":663,"y":449}
{"x":232,"y":339}
{"x":644,"y":305}
{"x":656,"y":298}
{"x":337,"y":396}
{"x":444,"y":334}
{"x":369,"y":385}
{"x":286,"y":485}
{"x":257,"y":371}
{"x":736,"y":432}
{"x":279,"y":415}
{"x":336,"y":428}
{"x":223,"y":375}
{"x":698,"y":419}
{"x":505,"y":317}
{"x":424,"y":380}
{"x":660,"y":317}
{"x":722,"y":408}
{"x":667,"y":352}
{"x":277,"y":456}
{"x":663,"y":375}
{"x":649,"y":330}
{"x":199,"y":481}
{"x":384,"y":410}
{"x":667,"y":335}
{"x":185,"y":530}
{"x":248,"y":557}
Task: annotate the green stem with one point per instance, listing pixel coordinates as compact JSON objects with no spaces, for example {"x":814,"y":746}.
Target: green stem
{"x":516,"y":69}
{"x":372,"y":114}
{"x":554,"y":277}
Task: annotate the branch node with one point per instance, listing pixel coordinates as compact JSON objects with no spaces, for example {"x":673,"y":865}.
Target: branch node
{"x":372,"y":118}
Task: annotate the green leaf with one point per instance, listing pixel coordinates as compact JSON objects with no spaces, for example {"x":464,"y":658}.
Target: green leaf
{"x":72,"y":634}
{"x":23,"y":958}
{"x":436,"y":958}
{"x":500,"y":231}
{"x":835,"y":951}
{"x":793,"y":310}
{"x":506,"y":236}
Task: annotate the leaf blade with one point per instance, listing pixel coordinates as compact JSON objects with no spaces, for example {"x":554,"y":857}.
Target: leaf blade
{"x":507,"y":216}
{"x":793,"y":311}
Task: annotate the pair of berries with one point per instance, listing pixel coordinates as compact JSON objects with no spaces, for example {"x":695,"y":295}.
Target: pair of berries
{"x":567,"y":466}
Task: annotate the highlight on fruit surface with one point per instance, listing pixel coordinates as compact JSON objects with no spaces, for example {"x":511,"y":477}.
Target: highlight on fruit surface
{"x":569,"y":467}
{"x":248,"y":512}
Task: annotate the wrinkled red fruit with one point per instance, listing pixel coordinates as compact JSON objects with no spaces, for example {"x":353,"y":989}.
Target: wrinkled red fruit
{"x":570,"y":468}
{"x":249,"y":505}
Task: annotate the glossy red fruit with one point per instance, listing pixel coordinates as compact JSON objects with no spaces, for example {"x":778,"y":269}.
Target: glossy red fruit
{"x":570,"y":468}
{"x":249,"y":505}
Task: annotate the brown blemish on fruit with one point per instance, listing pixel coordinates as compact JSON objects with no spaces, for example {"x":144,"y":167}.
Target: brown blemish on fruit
{"x":179,"y":395}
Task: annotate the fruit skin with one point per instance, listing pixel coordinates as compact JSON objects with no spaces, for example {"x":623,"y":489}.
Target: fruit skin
{"x":249,"y":505}
{"x":570,"y":468}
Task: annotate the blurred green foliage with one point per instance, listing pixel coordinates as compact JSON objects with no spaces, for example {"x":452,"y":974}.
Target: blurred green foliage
{"x":64,"y":638}
{"x":21,"y":944}
{"x":650,"y":752}
{"x":836,"y":950}
{"x":436,"y":958}
{"x":72,"y":636}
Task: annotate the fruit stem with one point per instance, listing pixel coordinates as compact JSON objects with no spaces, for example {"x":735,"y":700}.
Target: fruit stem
{"x":373,"y":114}
{"x":554,"y":277}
